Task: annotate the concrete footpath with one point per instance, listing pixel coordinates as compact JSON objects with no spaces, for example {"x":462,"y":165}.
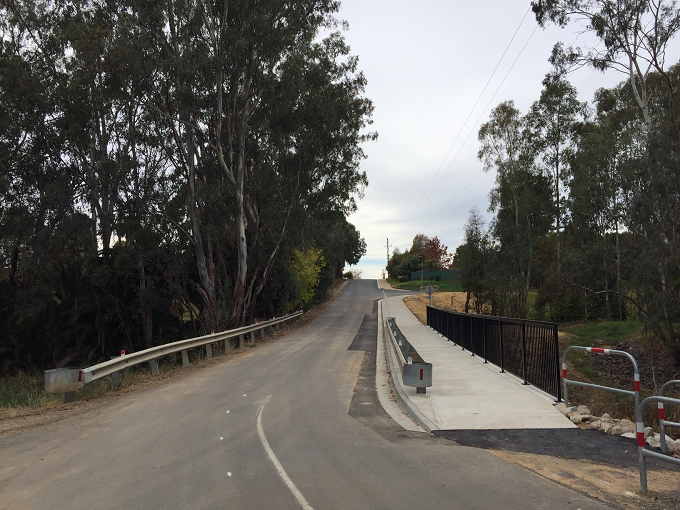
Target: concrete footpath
{"x":466,"y":393}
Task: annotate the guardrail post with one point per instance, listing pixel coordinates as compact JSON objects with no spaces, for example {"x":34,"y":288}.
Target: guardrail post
{"x":185,"y":358}
{"x":240,"y":341}
{"x":117,"y":381}
{"x":154,"y":367}
{"x":69,"y":396}
{"x":227,"y":344}
{"x":262,"y":334}
{"x":278,"y":326}
{"x":208,"y":350}
{"x":252,"y":337}
{"x":524,"y":352}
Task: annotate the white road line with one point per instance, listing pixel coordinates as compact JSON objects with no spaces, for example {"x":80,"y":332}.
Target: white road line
{"x":279,"y":468}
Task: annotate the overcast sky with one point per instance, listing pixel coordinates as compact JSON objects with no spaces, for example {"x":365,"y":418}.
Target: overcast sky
{"x":427,"y":63}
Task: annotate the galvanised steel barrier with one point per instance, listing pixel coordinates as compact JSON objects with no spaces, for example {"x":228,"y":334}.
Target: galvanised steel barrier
{"x":527,"y":349}
{"x":69,"y":380}
{"x":663,"y":423}
{"x":642,"y":451}
{"x":597,"y":350}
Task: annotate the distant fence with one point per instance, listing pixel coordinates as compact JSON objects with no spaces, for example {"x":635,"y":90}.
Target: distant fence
{"x":527,"y":349}
{"x":444,"y":274}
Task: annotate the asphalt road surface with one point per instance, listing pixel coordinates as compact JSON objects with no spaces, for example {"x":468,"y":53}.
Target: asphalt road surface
{"x":292,"y":424}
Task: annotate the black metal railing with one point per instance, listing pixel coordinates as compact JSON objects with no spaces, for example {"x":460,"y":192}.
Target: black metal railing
{"x":527,"y":349}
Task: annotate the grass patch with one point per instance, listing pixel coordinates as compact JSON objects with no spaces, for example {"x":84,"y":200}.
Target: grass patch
{"x":602,"y":333}
{"x":440,"y":286}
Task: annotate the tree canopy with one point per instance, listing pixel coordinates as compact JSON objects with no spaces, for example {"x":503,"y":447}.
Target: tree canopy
{"x":167,"y":169}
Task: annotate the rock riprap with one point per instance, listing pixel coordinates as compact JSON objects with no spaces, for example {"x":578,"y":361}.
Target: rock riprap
{"x":580,"y":415}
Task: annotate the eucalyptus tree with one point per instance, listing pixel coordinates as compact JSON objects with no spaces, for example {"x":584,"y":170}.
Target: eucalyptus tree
{"x":635,"y":36}
{"x":259,"y":109}
{"x":520,"y":198}
{"x":472,"y":257}
{"x":552,"y":120}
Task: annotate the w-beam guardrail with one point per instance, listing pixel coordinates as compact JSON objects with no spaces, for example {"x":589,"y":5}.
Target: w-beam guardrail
{"x":527,"y":349}
{"x":67,"y":381}
{"x":643,"y":453}
{"x":597,"y":350}
{"x":663,"y":423}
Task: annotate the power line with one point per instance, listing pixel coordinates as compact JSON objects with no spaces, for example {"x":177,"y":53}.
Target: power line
{"x":408,"y":222}
{"x":476,"y":124}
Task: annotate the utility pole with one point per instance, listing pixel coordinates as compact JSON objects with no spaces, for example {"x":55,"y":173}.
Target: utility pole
{"x":388,"y":255}
{"x":421,"y":272}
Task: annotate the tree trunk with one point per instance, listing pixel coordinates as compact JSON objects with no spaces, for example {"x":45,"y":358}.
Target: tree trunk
{"x":207,"y":284}
{"x":618,"y":273}
{"x":144,"y":303}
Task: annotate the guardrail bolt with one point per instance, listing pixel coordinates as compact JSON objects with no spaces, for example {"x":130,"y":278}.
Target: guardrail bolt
{"x":185,"y":358}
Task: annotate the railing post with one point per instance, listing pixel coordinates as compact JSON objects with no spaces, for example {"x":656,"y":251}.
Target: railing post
{"x":252,"y":337}
{"x":462,"y":337}
{"x":484,"y":336}
{"x":524,"y":352}
{"x":472,"y":340}
{"x":154,"y":367}
{"x":185,"y":357}
{"x":557,"y":362}
{"x":240,"y":341}
{"x":208,"y":351}
{"x":500,"y":331}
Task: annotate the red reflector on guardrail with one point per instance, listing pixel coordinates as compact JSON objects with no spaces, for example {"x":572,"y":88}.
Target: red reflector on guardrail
{"x":421,"y":374}
{"x":641,"y":439}
{"x":80,"y":376}
{"x":661,"y":412}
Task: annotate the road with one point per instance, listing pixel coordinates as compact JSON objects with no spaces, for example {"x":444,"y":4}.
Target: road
{"x":323,"y":440}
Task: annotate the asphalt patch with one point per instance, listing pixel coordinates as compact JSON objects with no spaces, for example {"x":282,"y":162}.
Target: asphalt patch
{"x":580,"y":444}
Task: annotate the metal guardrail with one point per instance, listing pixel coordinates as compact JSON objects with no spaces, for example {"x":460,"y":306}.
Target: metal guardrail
{"x":415,"y":372}
{"x":642,"y":451}
{"x":151,"y":355}
{"x":527,"y":349}
{"x":663,"y":423}
{"x":597,"y":350}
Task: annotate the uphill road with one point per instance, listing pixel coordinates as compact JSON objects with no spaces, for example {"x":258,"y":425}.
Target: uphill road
{"x":292,"y":424}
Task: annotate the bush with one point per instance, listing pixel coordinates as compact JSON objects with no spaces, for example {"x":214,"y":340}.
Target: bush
{"x":348,"y":275}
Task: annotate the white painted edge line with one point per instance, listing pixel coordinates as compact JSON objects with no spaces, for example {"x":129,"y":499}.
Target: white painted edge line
{"x":275,"y":461}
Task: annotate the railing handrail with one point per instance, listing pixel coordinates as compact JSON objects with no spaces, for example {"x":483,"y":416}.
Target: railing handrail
{"x":642,"y":452}
{"x":599,"y":350}
{"x":537,"y":363}
{"x":496,"y":317}
{"x":663,"y":423}
{"x":105,"y":368}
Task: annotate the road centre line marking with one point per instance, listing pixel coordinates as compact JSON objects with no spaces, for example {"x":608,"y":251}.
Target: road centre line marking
{"x":274,"y":460}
